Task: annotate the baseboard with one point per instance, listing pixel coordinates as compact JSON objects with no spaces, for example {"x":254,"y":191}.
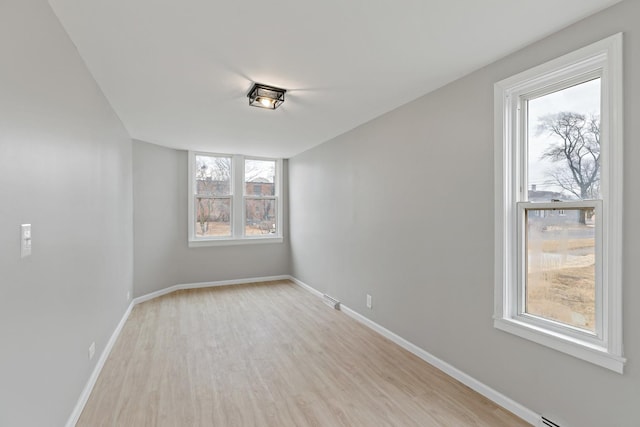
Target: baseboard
{"x":305,"y":286}
{"x":86,"y":392}
{"x":500,"y":399}
{"x":174,"y":288}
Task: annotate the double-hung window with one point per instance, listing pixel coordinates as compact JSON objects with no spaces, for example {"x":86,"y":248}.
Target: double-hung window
{"x":559,"y":204}
{"x":234,"y":199}
{"x":260,"y":200}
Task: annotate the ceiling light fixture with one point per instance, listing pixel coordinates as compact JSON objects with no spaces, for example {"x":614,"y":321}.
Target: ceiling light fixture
{"x":264,"y":96}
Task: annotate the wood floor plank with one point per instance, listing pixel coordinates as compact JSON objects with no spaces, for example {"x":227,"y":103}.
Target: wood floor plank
{"x":270,"y":354}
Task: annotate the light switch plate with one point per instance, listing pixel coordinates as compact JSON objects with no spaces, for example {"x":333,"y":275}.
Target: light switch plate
{"x":25,"y":240}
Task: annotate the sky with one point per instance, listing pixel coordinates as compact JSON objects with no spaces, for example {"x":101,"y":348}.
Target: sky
{"x":255,"y":169}
{"x":583,"y":98}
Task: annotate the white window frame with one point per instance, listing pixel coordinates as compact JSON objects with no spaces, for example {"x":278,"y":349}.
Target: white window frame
{"x":238,"y":213}
{"x":275,"y":197}
{"x":601,"y":59}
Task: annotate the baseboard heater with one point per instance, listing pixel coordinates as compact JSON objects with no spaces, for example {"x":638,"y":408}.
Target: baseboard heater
{"x":548,"y":423}
{"x":331,"y":302}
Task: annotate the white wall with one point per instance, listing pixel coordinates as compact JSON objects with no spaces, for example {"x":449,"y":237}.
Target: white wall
{"x":65,"y":167}
{"x":402,"y":208}
{"x":162,"y":256}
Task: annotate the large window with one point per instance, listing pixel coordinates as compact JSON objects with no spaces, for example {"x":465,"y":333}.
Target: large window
{"x":559,"y":206}
{"x":234,"y":199}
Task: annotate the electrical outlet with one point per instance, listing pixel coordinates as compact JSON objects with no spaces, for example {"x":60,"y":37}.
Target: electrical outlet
{"x":369,"y":301}
{"x":128,"y":295}
{"x":92,"y":350}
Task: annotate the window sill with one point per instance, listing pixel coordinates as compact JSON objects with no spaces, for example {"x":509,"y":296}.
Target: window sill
{"x":231,"y":241}
{"x":575,"y":347}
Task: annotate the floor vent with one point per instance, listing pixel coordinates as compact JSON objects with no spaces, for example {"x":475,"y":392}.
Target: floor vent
{"x":548,"y":423}
{"x":331,"y":302}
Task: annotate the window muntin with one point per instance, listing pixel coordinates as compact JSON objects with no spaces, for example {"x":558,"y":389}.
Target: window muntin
{"x":523,"y":196}
{"x":219,"y":213}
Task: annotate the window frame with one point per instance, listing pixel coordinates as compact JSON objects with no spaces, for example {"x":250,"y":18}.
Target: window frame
{"x":212,"y":197}
{"x":601,"y":59}
{"x":246,"y":197}
{"x":518,"y":294}
{"x":238,"y":212}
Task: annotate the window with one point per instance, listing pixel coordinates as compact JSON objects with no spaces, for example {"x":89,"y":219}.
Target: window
{"x":559,"y":204}
{"x":260,"y":200}
{"x":234,"y":199}
{"x":213,"y":197}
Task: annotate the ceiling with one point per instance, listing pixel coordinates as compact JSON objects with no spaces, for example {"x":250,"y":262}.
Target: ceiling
{"x":177,"y":72}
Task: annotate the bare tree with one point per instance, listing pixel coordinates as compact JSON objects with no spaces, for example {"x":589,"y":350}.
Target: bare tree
{"x":219,"y":169}
{"x":203,"y":210}
{"x":204,"y":214}
{"x":259,"y":171}
{"x":577,"y":146}
{"x":212,"y":179}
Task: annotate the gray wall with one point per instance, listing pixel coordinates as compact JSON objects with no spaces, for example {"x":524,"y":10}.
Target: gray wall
{"x":161,"y":253}
{"x":402,"y":208}
{"x":65,"y":167}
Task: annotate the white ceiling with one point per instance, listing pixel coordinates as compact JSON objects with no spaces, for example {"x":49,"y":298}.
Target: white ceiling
{"x":177,"y":71}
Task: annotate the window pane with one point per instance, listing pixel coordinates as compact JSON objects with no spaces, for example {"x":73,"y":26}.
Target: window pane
{"x":560,"y":278}
{"x":260,"y":177}
{"x":564,"y":144}
{"x":213,"y":217}
{"x":260,"y":216}
{"x":213,"y":175}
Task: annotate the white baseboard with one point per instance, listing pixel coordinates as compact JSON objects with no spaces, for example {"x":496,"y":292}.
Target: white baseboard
{"x":174,"y":288}
{"x":86,"y":392}
{"x":509,"y":404}
{"x":305,"y":286}
{"x":500,"y":399}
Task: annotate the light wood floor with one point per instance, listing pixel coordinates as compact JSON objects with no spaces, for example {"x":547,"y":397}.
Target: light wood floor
{"x":270,"y":355}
